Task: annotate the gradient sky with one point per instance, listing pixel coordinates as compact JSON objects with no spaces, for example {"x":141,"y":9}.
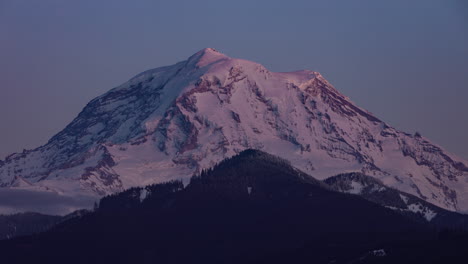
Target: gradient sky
{"x":405,"y":61}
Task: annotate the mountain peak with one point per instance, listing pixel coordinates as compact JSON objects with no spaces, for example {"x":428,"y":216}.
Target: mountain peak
{"x":210,"y":50}
{"x":207,"y":56}
{"x":170,"y":122}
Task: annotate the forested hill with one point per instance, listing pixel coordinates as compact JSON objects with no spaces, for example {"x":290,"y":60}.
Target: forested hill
{"x":252,"y":208}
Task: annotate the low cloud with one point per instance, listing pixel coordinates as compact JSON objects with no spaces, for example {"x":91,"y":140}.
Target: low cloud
{"x":20,"y":200}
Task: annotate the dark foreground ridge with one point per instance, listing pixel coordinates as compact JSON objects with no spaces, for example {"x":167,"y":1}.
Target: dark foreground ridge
{"x":29,"y":223}
{"x":252,"y":208}
{"x":21,"y":224}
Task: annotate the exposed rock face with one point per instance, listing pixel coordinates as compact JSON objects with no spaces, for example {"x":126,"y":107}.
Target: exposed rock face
{"x":170,"y":122}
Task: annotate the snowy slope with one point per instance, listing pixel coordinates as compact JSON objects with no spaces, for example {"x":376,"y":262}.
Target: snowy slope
{"x":374,"y":190}
{"x":170,"y":122}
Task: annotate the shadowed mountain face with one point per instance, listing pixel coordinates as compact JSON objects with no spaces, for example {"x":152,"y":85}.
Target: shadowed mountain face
{"x":170,"y":122}
{"x":252,"y":208}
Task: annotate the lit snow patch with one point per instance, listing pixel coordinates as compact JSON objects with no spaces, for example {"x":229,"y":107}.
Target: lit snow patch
{"x":143,"y":194}
{"x":377,"y":188}
{"x":393,"y":208}
{"x":379,"y":253}
{"x":356,"y":188}
{"x":426,"y":212}
{"x":404,"y":198}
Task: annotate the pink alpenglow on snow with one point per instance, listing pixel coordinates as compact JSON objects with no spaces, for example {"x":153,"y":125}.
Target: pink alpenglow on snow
{"x":170,"y":122}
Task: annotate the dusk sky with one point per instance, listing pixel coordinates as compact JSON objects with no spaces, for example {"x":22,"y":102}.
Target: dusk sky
{"x":405,"y":61}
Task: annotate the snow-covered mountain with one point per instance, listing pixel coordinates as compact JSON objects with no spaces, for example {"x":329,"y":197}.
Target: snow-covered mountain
{"x":170,"y":122}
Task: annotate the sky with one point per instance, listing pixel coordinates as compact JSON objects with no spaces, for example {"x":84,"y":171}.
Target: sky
{"x":405,"y":61}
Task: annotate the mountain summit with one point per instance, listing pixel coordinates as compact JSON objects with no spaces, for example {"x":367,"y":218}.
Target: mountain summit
{"x":170,"y":122}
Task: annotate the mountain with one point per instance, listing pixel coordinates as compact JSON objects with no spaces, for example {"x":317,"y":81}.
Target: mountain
{"x":409,"y":205}
{"x":170,"y":122}
{"x":251,"y":208}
